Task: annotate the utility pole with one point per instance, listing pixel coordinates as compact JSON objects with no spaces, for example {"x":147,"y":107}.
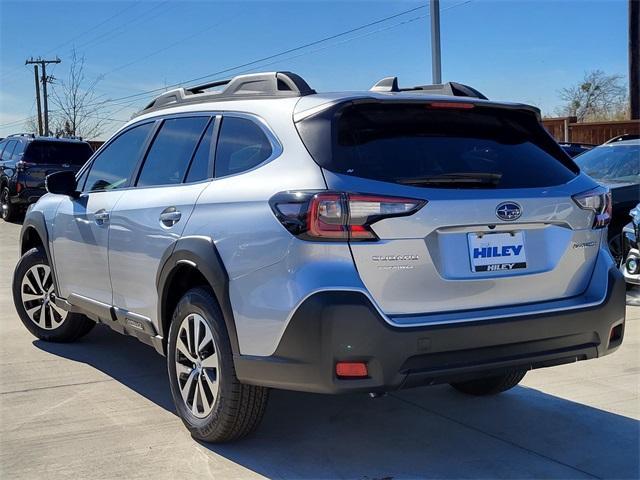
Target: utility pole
{"x":43,"y":63}
{"x":436,"y":67}
{"x":634,"y":58}
{"x":35,"y":75}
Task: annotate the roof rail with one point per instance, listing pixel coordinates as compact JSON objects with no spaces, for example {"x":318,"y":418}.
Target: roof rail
{"x":390,"y":84}
{"x":254,"y":85}
{"x":32,"y":135}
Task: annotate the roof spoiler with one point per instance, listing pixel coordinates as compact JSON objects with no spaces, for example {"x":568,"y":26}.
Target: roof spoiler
{"x":390,"y":85}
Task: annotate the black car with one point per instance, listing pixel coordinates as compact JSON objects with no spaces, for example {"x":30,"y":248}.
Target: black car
{"x":617,"y":166}
{"x":25,"y":162}
{"x":575,"y":149}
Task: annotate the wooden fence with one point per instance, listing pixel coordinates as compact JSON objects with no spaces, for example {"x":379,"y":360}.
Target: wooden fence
{"x":567,"y":129}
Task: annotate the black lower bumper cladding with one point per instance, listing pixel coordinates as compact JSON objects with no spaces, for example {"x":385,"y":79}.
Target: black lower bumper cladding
{"x":344,"y":326}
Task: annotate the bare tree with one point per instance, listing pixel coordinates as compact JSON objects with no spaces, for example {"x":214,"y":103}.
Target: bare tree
{"x":78,"y":109}
{"x":31,"y":125}
{"x":597,"y":97}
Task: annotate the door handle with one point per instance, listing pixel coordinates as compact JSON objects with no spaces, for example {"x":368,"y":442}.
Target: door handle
{"x":170,"y":216}
{"x":101,"y":217}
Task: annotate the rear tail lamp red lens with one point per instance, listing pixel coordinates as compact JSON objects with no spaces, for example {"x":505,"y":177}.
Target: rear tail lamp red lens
{"x":597,"y":200}
{"x":338,"y":216}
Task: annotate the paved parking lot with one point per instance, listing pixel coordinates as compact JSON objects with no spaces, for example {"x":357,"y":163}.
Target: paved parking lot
{"x":101,"y":408}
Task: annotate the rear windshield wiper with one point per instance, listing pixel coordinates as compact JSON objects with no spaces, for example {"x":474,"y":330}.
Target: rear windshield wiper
{"x":469,"y":179}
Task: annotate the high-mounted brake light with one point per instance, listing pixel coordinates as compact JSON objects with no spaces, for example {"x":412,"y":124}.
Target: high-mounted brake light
{"x":597,"y":200}
{"x":338,"y":216}
{"x":460,"y":105}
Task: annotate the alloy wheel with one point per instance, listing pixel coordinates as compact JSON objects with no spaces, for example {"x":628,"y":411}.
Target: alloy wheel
{"x":37,"y":294}
{"x":196,"y":359}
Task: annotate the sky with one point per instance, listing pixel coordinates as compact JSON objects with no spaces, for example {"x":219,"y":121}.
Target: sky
{"x":513,"y":50}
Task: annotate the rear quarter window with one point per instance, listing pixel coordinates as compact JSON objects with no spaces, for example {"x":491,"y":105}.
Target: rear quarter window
{"x":414,"y":143}
{"x":242,"y":145}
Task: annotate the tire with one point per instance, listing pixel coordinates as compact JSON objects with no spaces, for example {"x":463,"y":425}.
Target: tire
{"x":490,"y":385}
{"x":216,"y":407}
{"x":8,"y":211}
{"x":32,"y":279}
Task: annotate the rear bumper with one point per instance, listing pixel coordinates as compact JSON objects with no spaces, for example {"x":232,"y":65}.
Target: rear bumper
{"x":344,"y":326}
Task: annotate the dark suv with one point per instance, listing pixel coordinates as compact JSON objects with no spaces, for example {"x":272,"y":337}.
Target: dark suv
{"x":25,"y":162}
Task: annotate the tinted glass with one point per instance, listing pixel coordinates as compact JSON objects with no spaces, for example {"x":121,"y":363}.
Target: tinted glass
{"x":18,"y":150}
{"x":612,"y":163}
{"x":414,"y":144}
{"x":113,"y":167}
{"x":57,"y":153}
{"x":199,"y":169}
{"x":170,"y":154}
{"x":8,"y":150}
{"x":241,"y":146}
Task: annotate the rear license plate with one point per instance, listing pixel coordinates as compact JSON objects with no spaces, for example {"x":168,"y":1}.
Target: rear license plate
{"x":492,"y":252}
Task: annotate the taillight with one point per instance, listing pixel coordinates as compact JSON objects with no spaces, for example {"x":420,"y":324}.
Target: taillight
{"x":21,"y":166}
{"x":338,"y":216}
{"x":597,"y":200}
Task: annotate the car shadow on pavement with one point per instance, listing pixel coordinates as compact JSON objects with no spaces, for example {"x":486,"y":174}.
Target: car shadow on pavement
{"x":428,"y":432}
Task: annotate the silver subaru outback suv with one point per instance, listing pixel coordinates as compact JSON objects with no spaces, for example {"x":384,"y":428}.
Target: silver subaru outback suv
{"x":262,"y":235}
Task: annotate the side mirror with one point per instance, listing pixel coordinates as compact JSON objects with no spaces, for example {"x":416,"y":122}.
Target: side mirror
{"x":62,"y":183}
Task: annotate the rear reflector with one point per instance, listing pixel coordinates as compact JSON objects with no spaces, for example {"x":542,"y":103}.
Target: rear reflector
{"x":352,"y":370}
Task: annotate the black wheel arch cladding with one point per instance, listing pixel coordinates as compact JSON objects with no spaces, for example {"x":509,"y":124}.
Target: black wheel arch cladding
{"x":200,"y":254}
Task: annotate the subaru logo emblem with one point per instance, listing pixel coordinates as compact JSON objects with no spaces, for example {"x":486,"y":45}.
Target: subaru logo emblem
{"x":508,"y":211}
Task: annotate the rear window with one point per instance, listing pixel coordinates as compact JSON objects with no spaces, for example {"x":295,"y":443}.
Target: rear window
{"x":58,"y":153}
{"x":415,"y":144}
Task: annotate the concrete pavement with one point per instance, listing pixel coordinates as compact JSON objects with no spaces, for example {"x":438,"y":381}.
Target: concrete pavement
{"x":101,"y":408}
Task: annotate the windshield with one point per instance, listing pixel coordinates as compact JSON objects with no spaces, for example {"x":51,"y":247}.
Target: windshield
{"x":57,"y":153}
{"x":612,"y":163}
{"x":413,"y":144}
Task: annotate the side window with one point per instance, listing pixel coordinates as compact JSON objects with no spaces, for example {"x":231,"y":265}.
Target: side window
{"x":82,"y":179}
{"x":114,"y":166}
{"x":171,"y":151}
{"x":199,"y":169}
{"x":8,"y":150}
{"x":241,"y":146}
{"x":18,"y":150}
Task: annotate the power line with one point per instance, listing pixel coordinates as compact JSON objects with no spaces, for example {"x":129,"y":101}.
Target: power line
{"x":269,"y":57}
{"x":98,"y":25}
{"x":142,"y":95}
{"x":108,"y":34}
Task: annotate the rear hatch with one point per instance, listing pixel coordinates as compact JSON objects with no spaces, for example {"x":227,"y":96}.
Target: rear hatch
{"x":499,"y":226}
{"x":43,"y":157}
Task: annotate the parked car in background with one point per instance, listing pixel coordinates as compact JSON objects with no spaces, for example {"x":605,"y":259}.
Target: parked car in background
{"x":25,"y":162}
{"x":631,"y":248}
{"x":623,"y":137}
{"x":575,"y":149}
{"x":617,"y":166}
